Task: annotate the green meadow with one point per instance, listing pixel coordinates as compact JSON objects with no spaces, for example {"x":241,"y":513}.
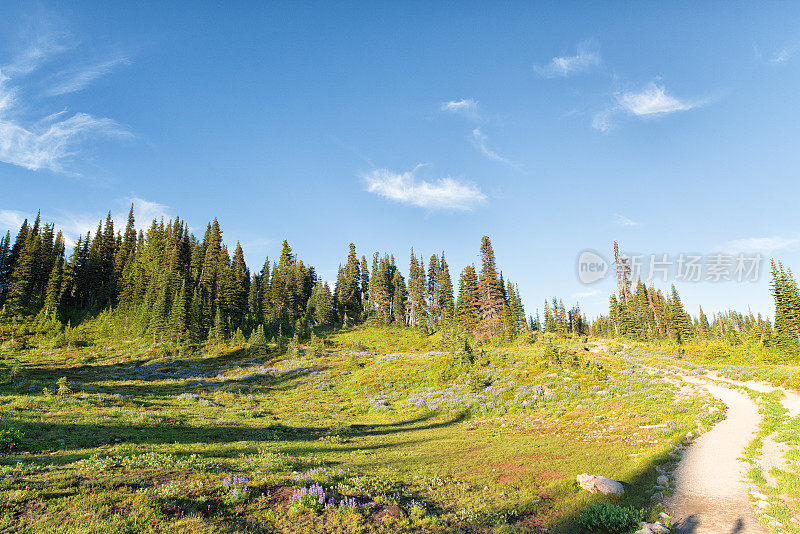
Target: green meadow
{"x":369,"y":429}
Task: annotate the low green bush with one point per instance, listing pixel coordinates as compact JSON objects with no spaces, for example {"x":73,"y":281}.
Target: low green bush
{"x":10,"y":437}
{"x":608,"y":518}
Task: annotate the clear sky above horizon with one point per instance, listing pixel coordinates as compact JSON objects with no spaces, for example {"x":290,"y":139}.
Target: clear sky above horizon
{"x":551,"y":127}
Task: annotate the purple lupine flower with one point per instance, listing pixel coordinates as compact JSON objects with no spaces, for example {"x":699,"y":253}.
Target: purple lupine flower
{"x":314,"y":490}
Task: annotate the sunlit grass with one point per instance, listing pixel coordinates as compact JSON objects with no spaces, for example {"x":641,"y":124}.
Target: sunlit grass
{"x":143,"y":438}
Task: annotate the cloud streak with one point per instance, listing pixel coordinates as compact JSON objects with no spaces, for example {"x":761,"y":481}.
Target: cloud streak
{"x":481,"y":142}
{"x":465,"y":106}
{"x":653,"y":100}
{"x":586,"y":57}
{"x":76,"y":80}
{"x":75,"y":224}
{"x":11,"y":220}
{"x":55,"y":142}
{"x":55,"y":146}
{"x":621,"y":220}
{"x":648,"y":103}
{"x":406,"y":188}
{"x":146,"y":210}
{"x":44,"y":47}
{"x":588,"y":293}
{"x":761,"y":244}
{"x":782,"y":56}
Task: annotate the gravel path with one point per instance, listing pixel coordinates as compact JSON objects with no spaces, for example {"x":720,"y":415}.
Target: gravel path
{"x":710,"y":494}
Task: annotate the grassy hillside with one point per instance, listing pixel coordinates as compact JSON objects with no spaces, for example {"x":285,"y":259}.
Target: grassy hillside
{"x":398,"y":430}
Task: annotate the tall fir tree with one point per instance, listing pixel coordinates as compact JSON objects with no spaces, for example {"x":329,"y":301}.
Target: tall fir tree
{"x":491,"y":302}
{"x":446,"y":300}
{"x":467,"y":313}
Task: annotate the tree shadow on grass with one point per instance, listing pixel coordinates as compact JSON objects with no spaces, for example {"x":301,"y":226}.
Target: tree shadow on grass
{"x":40,"y":436}
{"x":153,"y":368}
{"x":137,"y":383}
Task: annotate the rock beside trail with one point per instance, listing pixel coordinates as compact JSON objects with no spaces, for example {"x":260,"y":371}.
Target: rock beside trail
{"x":653,"y":528}
{"x":662,"y":481}
{"x":600,"y":484}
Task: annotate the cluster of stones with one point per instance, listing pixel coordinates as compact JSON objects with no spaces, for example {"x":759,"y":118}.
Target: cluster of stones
{"x":762,"y":502}
{"x":659,"y":527}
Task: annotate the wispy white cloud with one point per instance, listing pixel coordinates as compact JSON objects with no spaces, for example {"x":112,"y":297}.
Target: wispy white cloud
{"x":782,"y":55}
{"x":54,"y":146}
{"x":603,"y":120}
{"x":406,"y":188}
{"x":469,"y":108}
{"x":11,"y":220}
{"x":650,"y":102}
{"x":7,"y":94}
{"x":588,"y":293}
{"x":77,"y":79}
{"x":465,"y":106}
{"x":56,"y":141}
{"x":45,"y":44}
{"x":76,"y":224}
{"x":72,"y":226}
{"x":653,"y":100}
{"x":481,"y":142}
{"x":761,"y":244}
{"x":145,"y":211}
{"x":586,"y":57}
{"x":622,"y":220}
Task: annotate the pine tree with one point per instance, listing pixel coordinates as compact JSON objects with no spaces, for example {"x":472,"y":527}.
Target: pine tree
{"x":516,"y":311}
{"x":5,"y":266}
{"x":283,"y":288}
{"x":12,"y":259}
{"x":323,"y":310}
{"x":220,"y":329}
{"x":238,"y":286}
{"x":54,"y":287}
{"x":19,"y":292}
{"x":197,"y":327}
{"x":433,"y":289}
{"x":399,"y":298}
{"x":381,"y":289}
{"x":787,"y":305}
{"x":679,"y":319}
{"x":703,"y":326}
{"x":108,"y":249}
{"x":178,"y":318}
{"x":348,"y":292}
{"x":258,"y":338}
{"x":127,"y":247}
{"x":491,"y":303}
{"x":416,"y":293}
{"x":446,"y":301}
{"x":315,"y":306}
{"x":364,"y":282}
{"x":158,"y":314}
{"x":467,"y":313}
{"x":265,"y":304}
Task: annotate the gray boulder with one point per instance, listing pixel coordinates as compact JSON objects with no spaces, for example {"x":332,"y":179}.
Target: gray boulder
{"x":600,"y":484}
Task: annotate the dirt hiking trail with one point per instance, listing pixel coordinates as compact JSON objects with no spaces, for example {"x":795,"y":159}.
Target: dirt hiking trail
{"x":710,"y":494}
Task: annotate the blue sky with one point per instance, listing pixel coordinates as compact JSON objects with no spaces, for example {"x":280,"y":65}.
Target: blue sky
{"x":552,"y":128}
